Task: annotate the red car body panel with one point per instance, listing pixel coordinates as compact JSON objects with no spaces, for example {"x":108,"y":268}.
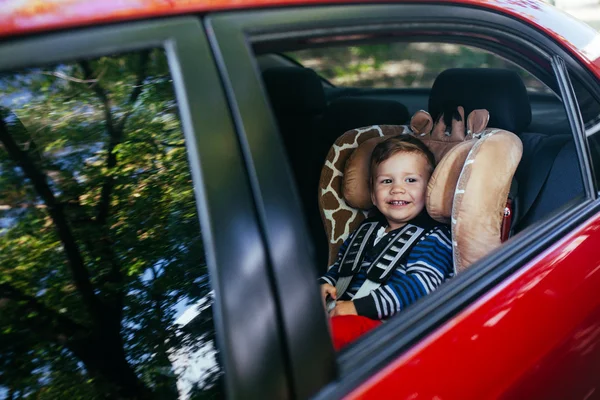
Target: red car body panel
{"x":29,"y":16}
{"x":537,"y":335}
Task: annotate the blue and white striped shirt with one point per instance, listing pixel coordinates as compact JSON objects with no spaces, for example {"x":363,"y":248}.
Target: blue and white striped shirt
{"x":428,"y":264}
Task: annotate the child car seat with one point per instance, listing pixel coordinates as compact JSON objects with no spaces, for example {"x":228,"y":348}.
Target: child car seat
{"x":468,"y":188}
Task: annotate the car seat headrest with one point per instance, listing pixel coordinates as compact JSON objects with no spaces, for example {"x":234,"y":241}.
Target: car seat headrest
{"x":499,"y":91}
{"x":471,"y":198}
{"x":295,"y":90}
{"x":347,"y":113}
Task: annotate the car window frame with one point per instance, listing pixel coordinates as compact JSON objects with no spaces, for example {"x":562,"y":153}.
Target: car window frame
{"x":233,"y":34}
{"x":253,"y":364}
{"x":308,"y":345}
{"x":569,"y":98}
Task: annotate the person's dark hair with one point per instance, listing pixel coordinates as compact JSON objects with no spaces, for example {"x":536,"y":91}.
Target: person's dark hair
{"x":399,"y":144}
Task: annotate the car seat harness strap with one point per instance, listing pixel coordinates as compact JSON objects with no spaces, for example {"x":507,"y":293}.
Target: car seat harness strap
{"x":350,"y":263}
{"x":379,"y":271}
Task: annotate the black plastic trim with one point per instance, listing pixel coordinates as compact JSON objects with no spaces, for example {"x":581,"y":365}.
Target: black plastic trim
{"x":254,"y":185}
{"x":234,"y":34}
{"x":245,"y":309}
{"x":311,"y":355}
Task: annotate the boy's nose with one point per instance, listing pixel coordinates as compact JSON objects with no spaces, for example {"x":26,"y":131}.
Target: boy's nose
{"x":398,"y":189}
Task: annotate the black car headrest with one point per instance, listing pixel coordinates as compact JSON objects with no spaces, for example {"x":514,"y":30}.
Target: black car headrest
{"x":349,"y":113}
{"x":295,"y":90}
{"x":499,"y":91}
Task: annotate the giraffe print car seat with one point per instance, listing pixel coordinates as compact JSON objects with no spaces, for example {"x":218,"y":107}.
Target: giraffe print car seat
{"x":468,"y":188}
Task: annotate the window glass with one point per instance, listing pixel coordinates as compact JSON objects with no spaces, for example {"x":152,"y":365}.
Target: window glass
{"x":400,"y":65}
{"x":590,"y":113}
{"x":104,"y":289}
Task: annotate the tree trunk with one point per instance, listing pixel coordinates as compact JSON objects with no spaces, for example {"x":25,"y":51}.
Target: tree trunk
{"x":104,"y":359}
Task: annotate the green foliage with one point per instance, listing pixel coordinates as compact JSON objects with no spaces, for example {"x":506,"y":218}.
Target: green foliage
{"x":101,"y":245}
{"x":399,"y":65}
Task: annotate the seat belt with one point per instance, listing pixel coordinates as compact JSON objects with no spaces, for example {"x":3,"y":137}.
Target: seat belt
{"x":547,"y":152}
{"x":350,"y":263}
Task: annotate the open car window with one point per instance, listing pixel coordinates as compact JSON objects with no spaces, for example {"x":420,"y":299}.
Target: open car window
{"x":401,"y":64}
{"x":374,"y":82}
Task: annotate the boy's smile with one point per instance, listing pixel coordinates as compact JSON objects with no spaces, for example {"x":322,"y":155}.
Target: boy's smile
{"x":399,"y":186}
{"x":399,"y":203}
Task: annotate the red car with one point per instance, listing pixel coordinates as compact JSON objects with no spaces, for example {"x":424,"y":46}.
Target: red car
{"x":159,"y":230}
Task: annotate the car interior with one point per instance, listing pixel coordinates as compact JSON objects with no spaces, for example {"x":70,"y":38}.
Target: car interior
{"x":312,"y":113}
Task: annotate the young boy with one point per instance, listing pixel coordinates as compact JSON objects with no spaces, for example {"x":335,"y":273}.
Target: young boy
{"x":417,"y":263}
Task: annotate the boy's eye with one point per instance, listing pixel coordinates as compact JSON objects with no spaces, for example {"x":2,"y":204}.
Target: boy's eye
{"x":386,"y":181}
{"x":410,"y":180}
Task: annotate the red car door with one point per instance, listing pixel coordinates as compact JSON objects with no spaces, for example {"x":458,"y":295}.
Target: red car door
{"x":508,"y":325}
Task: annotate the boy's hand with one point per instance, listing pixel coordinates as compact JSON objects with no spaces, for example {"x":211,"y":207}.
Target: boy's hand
{"x":344,"y":308}
{"x":327,"y":290}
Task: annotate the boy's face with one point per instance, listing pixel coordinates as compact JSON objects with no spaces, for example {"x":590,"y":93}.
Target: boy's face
{"x":399,"y":186}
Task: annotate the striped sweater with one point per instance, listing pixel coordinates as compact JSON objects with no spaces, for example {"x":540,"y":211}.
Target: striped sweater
{"x":428,"y":264}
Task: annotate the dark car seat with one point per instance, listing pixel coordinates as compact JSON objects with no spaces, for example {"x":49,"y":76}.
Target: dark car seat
{"x":298,"y":102}
{"x":548,"y":175}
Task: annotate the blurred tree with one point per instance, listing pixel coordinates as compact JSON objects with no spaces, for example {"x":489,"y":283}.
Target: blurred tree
{"x":101,"y":243}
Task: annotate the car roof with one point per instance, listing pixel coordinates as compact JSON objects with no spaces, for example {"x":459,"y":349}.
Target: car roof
{"x":19,"y":17}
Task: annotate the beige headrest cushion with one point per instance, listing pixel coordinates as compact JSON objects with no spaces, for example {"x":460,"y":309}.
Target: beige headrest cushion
{"x":355,"y":185}
{"x":481,"y":194}
{"x":442,"y":184}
